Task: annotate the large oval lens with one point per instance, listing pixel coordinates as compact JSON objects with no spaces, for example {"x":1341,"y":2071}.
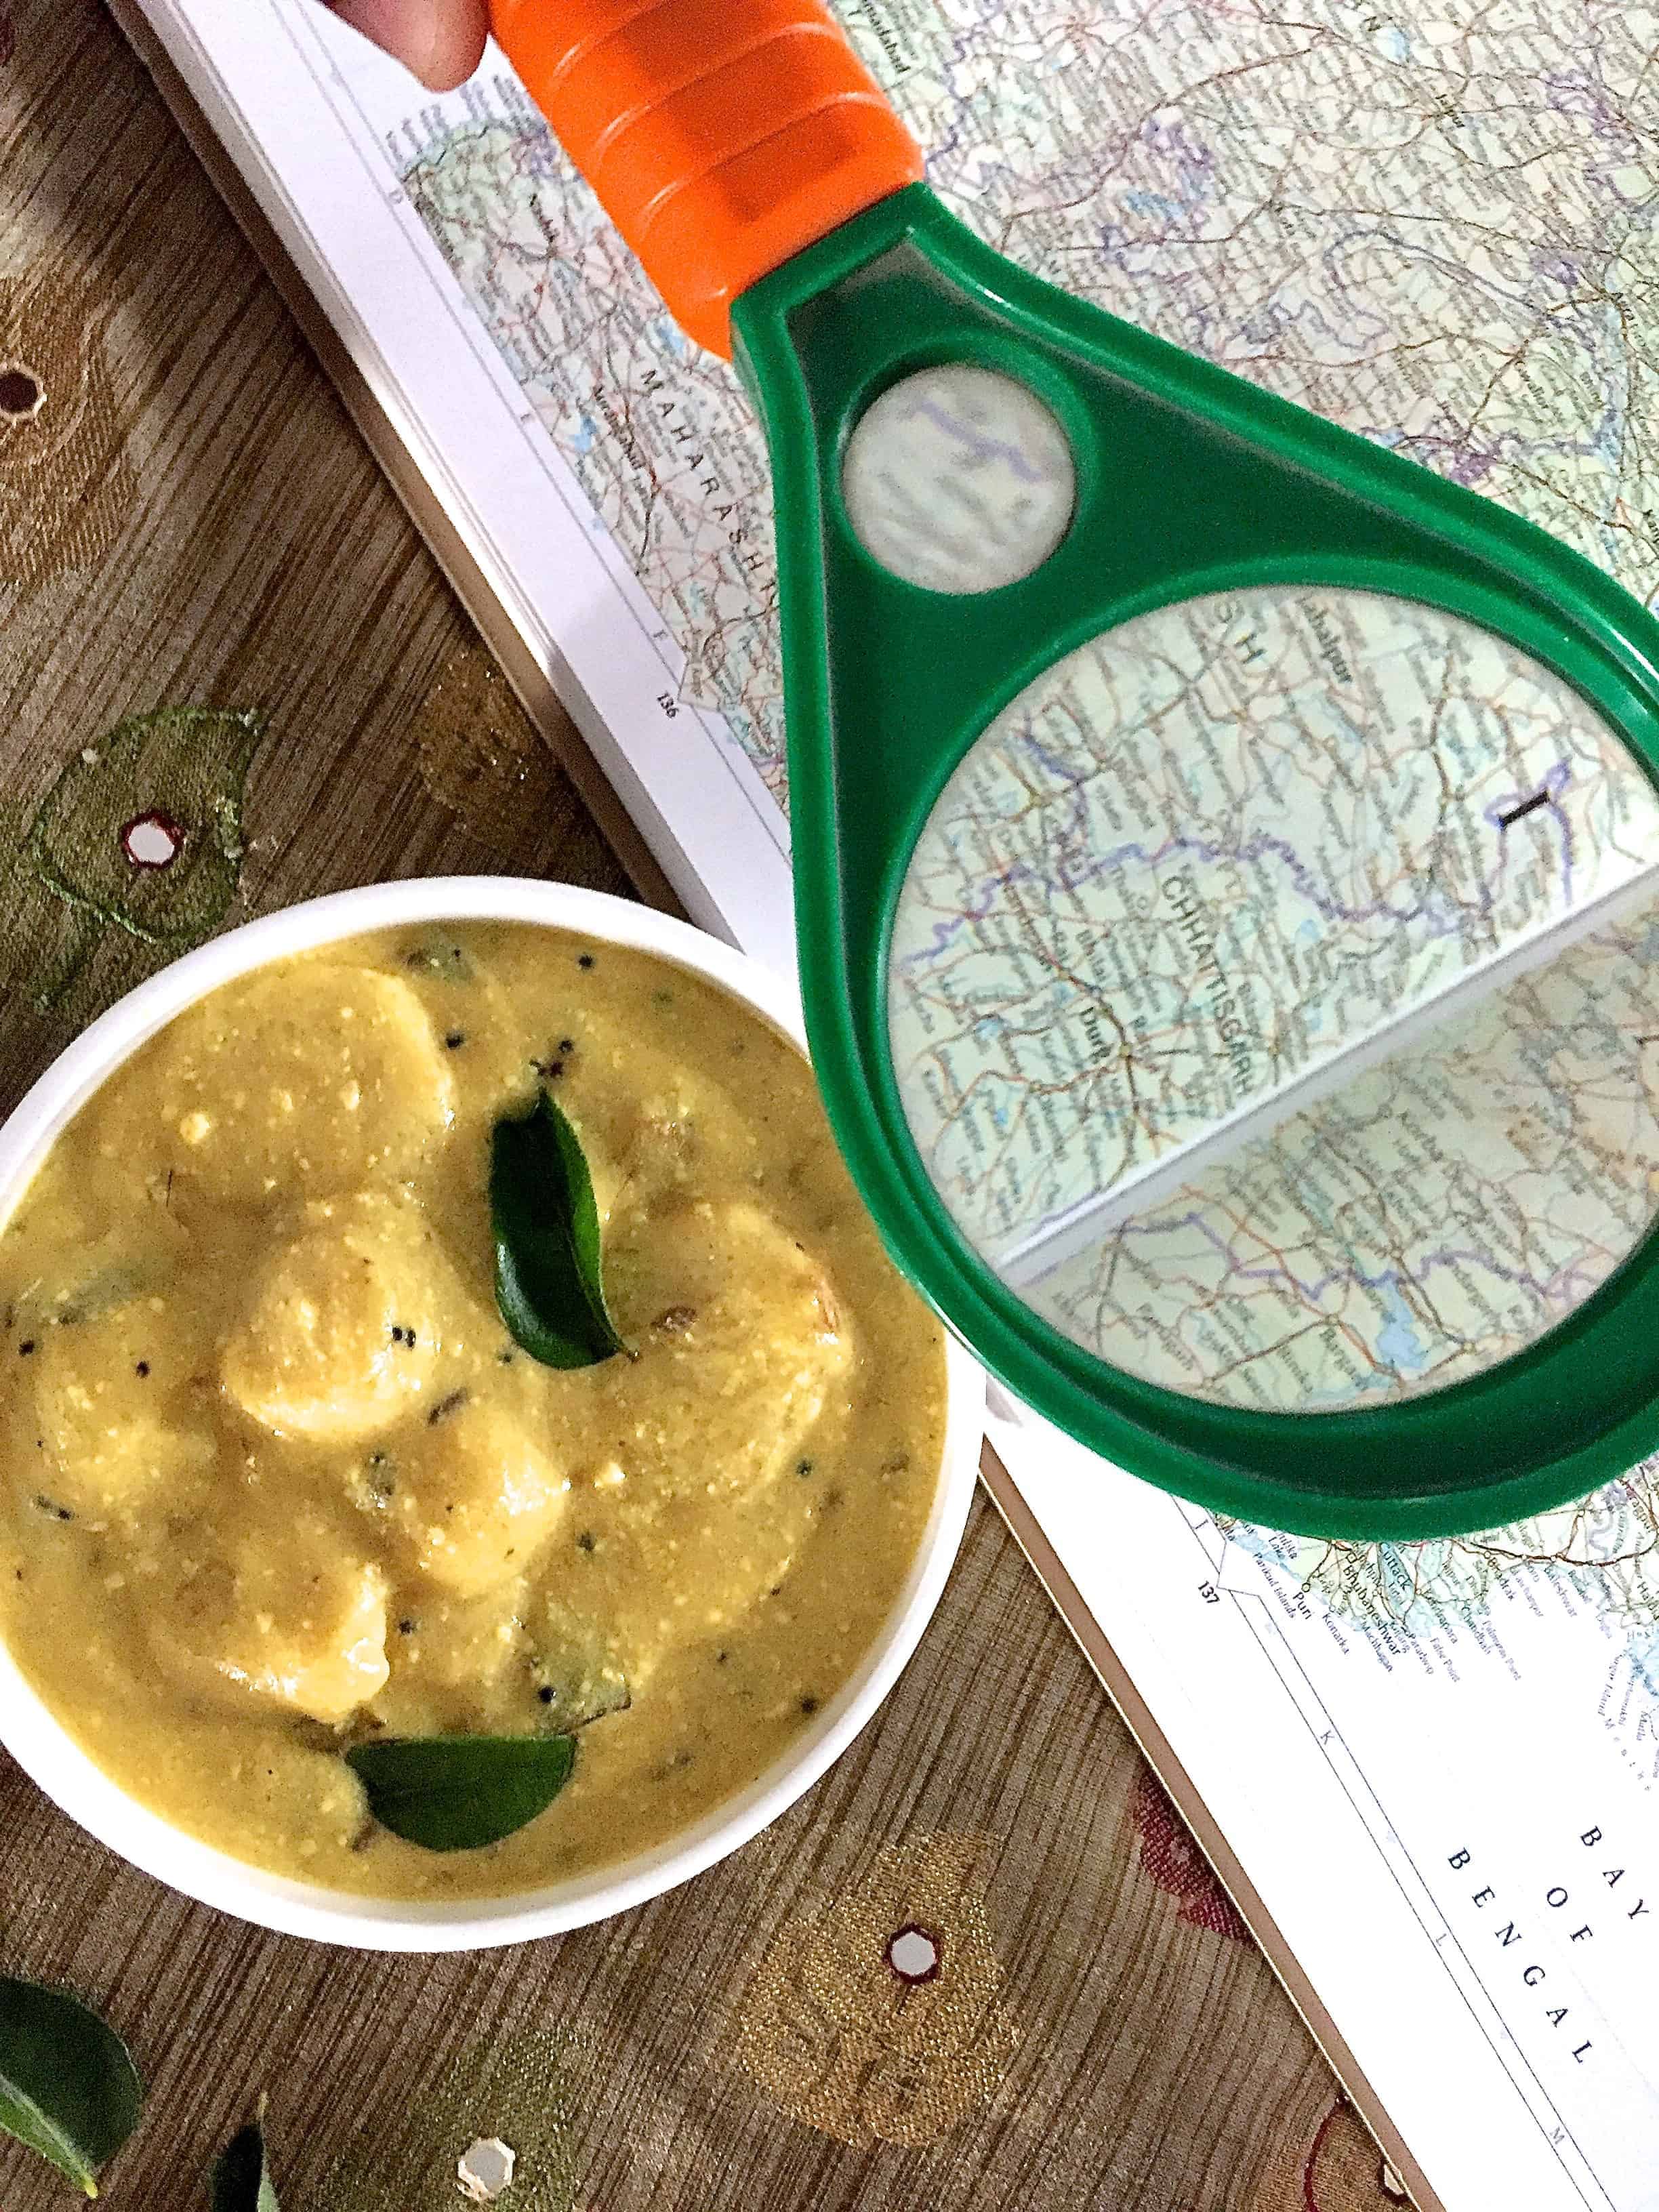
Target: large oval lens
{"x":1273,"y":998}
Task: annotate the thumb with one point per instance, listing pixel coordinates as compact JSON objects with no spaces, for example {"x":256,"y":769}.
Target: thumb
{"x":442,"y":41}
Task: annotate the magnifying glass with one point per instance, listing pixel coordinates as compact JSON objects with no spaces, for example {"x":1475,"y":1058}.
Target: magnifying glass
{"x":1226,"y":855}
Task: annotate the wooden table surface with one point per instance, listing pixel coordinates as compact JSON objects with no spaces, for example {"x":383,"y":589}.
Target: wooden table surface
{"x":213,"y":609}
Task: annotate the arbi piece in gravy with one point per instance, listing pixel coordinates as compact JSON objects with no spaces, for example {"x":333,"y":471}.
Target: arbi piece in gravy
{"x":277,"y":1482}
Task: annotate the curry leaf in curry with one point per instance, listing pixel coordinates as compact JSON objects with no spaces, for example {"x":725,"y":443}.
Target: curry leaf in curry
{"x":240,"y":2181}
{"x":68,"y":2086}
{"x":458,"y":1793}
{"x":578,"y":1675}
{"x":546,"y":1228}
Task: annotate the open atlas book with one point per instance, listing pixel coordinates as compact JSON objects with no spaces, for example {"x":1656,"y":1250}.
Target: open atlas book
{"x":1428,"y":1771}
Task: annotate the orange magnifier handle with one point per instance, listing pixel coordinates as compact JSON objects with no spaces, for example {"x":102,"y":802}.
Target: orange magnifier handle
{"x":722,"y":136}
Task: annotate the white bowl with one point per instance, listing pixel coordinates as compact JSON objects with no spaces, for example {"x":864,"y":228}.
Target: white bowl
{"x":44,"y":1750}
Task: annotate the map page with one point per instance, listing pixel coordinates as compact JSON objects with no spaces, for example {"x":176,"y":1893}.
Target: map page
{"x":1435,"y":222}
{"x":1214,"y":864}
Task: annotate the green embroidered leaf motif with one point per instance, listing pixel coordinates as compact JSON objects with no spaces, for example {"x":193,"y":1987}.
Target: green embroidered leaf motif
{"x":241,"y":2175}
{"x":138,"y":843}
{"x":183,"y":768}
{"x":546,"y":1229}
{"x":68,"y":2086}
{"x":458,"y":1793}
{"x":527,"y":2089}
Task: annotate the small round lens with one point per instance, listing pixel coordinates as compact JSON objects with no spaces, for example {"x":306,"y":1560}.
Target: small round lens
{"x":958,"y":479}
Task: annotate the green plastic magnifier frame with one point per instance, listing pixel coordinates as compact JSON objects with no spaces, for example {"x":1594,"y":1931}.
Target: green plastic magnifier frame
{"x":1189,"y":482}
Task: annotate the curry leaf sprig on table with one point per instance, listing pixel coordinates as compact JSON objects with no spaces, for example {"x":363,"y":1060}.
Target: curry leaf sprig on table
{"x":458,"y":1793}
{"x":240,"y":2180}
{"x":546,"y":1229}
{"x":68,"y":2086}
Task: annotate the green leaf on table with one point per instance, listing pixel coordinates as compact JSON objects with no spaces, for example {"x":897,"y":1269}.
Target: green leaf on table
{"x":546,"y":1228}
{"x":241,"y":2179}
{"x":458,"y":1793}
{"x":68,"y":2086}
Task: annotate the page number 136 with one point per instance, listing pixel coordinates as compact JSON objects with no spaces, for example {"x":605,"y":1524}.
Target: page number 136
{"x":669,"y":704}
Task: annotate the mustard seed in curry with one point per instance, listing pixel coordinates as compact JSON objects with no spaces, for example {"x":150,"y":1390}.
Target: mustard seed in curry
{"x":277,"y":1482}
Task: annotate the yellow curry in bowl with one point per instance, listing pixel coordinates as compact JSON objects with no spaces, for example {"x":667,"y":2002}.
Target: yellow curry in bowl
{"x":277,"y":1481}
